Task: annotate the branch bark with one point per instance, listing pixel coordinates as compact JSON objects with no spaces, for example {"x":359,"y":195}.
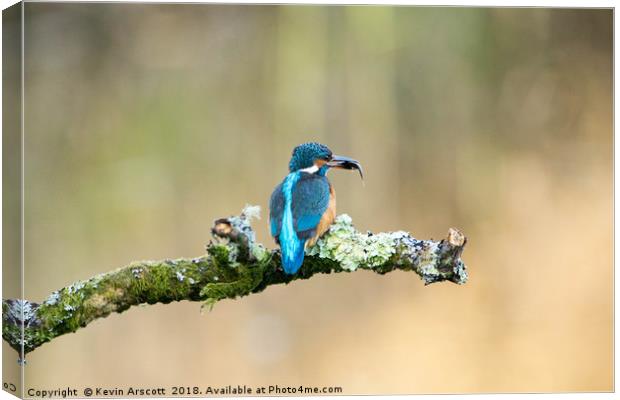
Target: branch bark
{"x":234,"y":266}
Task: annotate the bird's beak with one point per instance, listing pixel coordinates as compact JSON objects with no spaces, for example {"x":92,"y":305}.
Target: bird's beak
{"x":346,"y":163}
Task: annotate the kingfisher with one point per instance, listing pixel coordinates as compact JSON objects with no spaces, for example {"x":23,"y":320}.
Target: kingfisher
{"x":303,"y":206}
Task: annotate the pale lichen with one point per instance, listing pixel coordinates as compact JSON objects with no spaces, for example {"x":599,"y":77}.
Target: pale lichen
{"x":251,"y":212}
{"x":353,"y":249}
{"x":386,"y":251}
{"x":242,"y":222}
{"x":53,"y":298}
{"x":21,"y":312}
{"x":75,"y":287}
{"x":260,"y":253}
{"x":460,"y":275}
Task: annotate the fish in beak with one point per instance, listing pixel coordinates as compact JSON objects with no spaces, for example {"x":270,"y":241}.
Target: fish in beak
{"x":346,"y":163}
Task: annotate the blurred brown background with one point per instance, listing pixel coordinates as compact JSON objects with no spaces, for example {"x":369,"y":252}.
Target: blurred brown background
{"x":144,"y":123}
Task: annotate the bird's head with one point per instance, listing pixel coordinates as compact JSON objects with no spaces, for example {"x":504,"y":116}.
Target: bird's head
{"x":318,"y":158}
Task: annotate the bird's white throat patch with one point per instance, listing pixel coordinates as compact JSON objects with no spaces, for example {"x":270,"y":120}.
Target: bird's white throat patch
{"x":311,"y":170}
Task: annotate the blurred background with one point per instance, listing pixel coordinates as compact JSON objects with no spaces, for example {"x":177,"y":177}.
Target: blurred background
{"x":146,"y":122}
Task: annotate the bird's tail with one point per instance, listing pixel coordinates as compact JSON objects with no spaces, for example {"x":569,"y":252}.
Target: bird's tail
{"x":293,"y":257}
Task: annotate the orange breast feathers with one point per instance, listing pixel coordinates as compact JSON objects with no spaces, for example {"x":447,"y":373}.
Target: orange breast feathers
{"x":326,"y":220}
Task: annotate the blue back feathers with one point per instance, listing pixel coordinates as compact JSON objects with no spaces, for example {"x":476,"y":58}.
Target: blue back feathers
{"x":295,"y":209}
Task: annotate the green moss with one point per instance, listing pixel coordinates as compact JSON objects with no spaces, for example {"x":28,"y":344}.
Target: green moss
{"x":230,"y":279}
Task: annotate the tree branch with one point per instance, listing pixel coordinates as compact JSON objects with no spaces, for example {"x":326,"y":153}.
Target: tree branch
{"x":234,"y":266}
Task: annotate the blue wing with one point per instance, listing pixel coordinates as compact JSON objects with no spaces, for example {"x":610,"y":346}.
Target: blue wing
{"x":310,"y":200}
{"x":276,"y":209}
{"x":300,"y":210}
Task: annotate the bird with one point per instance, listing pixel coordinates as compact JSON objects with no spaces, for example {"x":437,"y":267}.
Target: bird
{"x":303,"y":206}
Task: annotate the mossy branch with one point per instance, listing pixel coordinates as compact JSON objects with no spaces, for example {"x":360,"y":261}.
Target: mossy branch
{"x":233,"y":266}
